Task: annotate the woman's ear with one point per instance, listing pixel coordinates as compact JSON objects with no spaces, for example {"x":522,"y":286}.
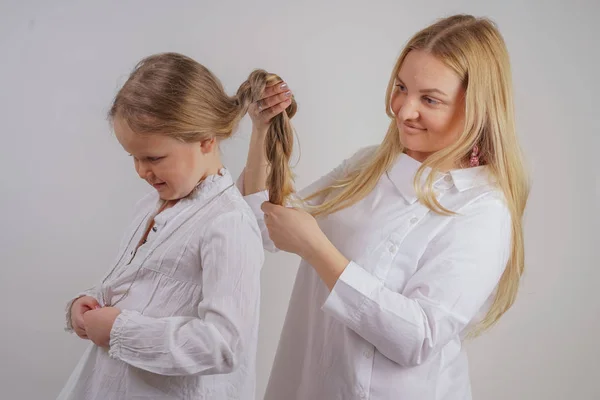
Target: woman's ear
{"x":208,"y":145}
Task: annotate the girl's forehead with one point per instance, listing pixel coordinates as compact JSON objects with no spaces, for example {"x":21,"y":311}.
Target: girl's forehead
{"x":135,"y":143}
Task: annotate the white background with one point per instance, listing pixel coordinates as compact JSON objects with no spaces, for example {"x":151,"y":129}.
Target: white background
{"x":67,"y":188}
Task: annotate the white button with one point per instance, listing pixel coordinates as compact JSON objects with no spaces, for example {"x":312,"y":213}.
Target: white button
{"x":448,"y":178}
{"x":362,"y":395}
{"x":367,"y":353}
{"x":393,"y":248}
{"x":414,"y":220}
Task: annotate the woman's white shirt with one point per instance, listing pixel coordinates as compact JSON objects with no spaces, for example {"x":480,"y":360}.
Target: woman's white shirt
{"x":392,"y":327}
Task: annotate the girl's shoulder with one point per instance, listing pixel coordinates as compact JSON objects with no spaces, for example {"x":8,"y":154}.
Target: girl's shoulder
{"x":232,"y":204}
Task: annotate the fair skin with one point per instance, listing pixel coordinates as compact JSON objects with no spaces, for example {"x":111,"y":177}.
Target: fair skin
{"x":276,"y":98}
{"x":174,"y":168}
{"x":80,"y":307}
{"x":171,"y":166}
{"x":428,"y":104}
{"x":429,"y":107}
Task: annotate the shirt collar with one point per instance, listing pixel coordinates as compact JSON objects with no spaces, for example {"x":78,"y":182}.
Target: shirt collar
{"x":211,"y":186}
{"x":402,"y":175}
{"x":203,"y":193}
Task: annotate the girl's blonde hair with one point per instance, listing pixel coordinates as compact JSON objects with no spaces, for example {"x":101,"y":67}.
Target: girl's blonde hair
{"x":474,"y":49}
{"x":173,"y":95}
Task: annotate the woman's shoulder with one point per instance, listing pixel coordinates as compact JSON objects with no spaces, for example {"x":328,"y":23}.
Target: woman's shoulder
{"x":486,"y":203}
{"x":358,"y":159}
{"x":361,"y":156}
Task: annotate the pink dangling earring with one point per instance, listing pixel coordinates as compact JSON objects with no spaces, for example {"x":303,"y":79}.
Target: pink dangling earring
{"x":474,"y":161}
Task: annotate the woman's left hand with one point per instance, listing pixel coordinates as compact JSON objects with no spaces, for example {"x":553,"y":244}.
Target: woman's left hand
{"x":293,"y":230}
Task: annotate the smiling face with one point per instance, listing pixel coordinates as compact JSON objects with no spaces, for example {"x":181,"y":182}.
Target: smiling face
{"x":173,"y":167}
{"x":428,"y":103}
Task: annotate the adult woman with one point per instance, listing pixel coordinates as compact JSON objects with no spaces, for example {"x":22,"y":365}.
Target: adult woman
{"x":408,"y":246}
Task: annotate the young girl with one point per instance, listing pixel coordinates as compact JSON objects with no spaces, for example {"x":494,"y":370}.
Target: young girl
{"x":417,"y":242}
{"x":177,"y":315}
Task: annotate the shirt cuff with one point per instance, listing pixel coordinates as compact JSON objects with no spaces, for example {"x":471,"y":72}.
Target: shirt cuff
{"x":116,"y":333}
{"x":350,"y":294}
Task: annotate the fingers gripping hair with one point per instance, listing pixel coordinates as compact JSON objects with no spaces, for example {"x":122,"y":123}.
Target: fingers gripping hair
{"x":280,"y":136}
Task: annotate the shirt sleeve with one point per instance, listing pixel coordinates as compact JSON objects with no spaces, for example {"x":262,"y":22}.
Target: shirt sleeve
{"x":213,"y":341}
{"x":458,"y":272}
{"x":255,"y":200}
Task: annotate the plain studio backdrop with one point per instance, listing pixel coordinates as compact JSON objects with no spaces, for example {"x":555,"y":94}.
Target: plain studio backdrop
{"x":68,"y":188}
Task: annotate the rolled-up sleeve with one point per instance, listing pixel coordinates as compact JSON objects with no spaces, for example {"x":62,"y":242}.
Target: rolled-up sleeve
{"x":458,"y":272}
{"x":213,"y":341}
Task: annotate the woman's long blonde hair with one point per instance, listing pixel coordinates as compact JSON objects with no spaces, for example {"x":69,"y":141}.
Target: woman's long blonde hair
{"x":173,"y":95}
{"x":475,"y":50}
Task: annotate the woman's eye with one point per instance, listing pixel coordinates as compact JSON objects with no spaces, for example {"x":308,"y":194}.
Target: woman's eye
{"x":431,"y":101}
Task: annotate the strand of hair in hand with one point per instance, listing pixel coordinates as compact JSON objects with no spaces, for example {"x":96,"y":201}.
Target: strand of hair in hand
{"x":279,"y":142}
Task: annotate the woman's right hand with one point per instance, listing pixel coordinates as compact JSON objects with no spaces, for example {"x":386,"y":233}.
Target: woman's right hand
{"x":276,"y":98}
{"x":80,"y":307}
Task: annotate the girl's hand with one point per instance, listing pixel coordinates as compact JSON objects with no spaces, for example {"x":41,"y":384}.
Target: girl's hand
{"x":99,"y":323}
{"x":78,"y":308}
{"x":276,"y":98}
